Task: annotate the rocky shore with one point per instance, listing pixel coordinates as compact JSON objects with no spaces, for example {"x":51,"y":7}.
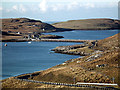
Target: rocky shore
{"x":81,"y":49}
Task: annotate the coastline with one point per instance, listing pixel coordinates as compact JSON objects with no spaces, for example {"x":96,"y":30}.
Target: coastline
{"x":50,"y":37}
{"x":78,"y":60}
{"x":16,"y":29}
{"x":84,"y":69}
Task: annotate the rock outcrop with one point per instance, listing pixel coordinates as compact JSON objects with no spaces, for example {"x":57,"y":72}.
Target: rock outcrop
{"x":73,"y":50}
{"x":80,"y":49}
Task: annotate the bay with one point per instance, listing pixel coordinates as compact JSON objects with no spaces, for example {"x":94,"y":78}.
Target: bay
{"x":22,"y":57}
{"x":86,"y":34}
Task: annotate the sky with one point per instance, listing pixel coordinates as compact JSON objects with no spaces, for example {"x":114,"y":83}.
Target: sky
{"x":59,"y":10}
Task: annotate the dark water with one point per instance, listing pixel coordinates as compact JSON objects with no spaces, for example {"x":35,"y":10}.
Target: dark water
{"x":21,"y":57}
{"x":86,"y":34}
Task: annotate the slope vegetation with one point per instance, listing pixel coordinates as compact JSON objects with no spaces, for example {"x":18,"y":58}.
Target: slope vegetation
{"x":25,"y":25}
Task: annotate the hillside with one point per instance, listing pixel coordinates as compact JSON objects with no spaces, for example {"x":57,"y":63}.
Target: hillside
{"x":100,"y":66}
{"x":89,"y":24}
{"x":19,"y":29}
{"x":25,"y":25}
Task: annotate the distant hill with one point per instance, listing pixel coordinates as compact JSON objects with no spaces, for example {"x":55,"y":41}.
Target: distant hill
{"x":25,"y":25}
{"x":18,"y":28}
{"x":89,"y":24}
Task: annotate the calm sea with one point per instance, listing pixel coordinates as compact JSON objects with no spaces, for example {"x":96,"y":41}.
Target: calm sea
{"x":21,"y":57}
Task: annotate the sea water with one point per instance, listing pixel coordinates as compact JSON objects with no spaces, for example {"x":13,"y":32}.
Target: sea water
{"x":22,"y":57}
{"x":86,"y":34}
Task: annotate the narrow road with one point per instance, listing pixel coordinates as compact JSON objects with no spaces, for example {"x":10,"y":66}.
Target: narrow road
{"x":70,"y":85}
{"x":65,"y":40}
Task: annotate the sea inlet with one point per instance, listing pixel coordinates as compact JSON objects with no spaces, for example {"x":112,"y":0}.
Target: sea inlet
{"x":23,"y":57}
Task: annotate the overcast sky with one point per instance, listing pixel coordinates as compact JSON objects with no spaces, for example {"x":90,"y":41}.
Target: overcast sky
{"x":59,"y":10}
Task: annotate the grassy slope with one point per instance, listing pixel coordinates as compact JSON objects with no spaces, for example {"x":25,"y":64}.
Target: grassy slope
{"x":86,"y":71}
{"x":25,"y":25}
{"x":90,"y":24}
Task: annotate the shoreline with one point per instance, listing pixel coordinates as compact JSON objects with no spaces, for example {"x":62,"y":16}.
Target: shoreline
{"x":54,"y":50}
{"x":64,"y":30}
{"x":51,"y":50}
{"x":89,"y":58}
{"x":50,"y":40}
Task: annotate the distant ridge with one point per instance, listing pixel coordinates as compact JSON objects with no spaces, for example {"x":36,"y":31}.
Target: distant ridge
{"x":90,"y":24}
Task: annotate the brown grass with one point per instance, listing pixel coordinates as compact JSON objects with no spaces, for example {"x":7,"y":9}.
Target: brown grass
{"x":89,"y":24}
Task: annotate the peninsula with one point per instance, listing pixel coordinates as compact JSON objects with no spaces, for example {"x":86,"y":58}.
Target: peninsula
{"x":24,"y":29}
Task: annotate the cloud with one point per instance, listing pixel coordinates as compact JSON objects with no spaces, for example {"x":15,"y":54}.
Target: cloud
{"x":15,"y":7}
{"x":89,"y":5}
{"x":22,"y":8}
{"x":62,"y":6}
{"x":19,"y":8}
{"x":43,"y":6}
{"x":57,"y":7}
{"x":72,"y":5}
